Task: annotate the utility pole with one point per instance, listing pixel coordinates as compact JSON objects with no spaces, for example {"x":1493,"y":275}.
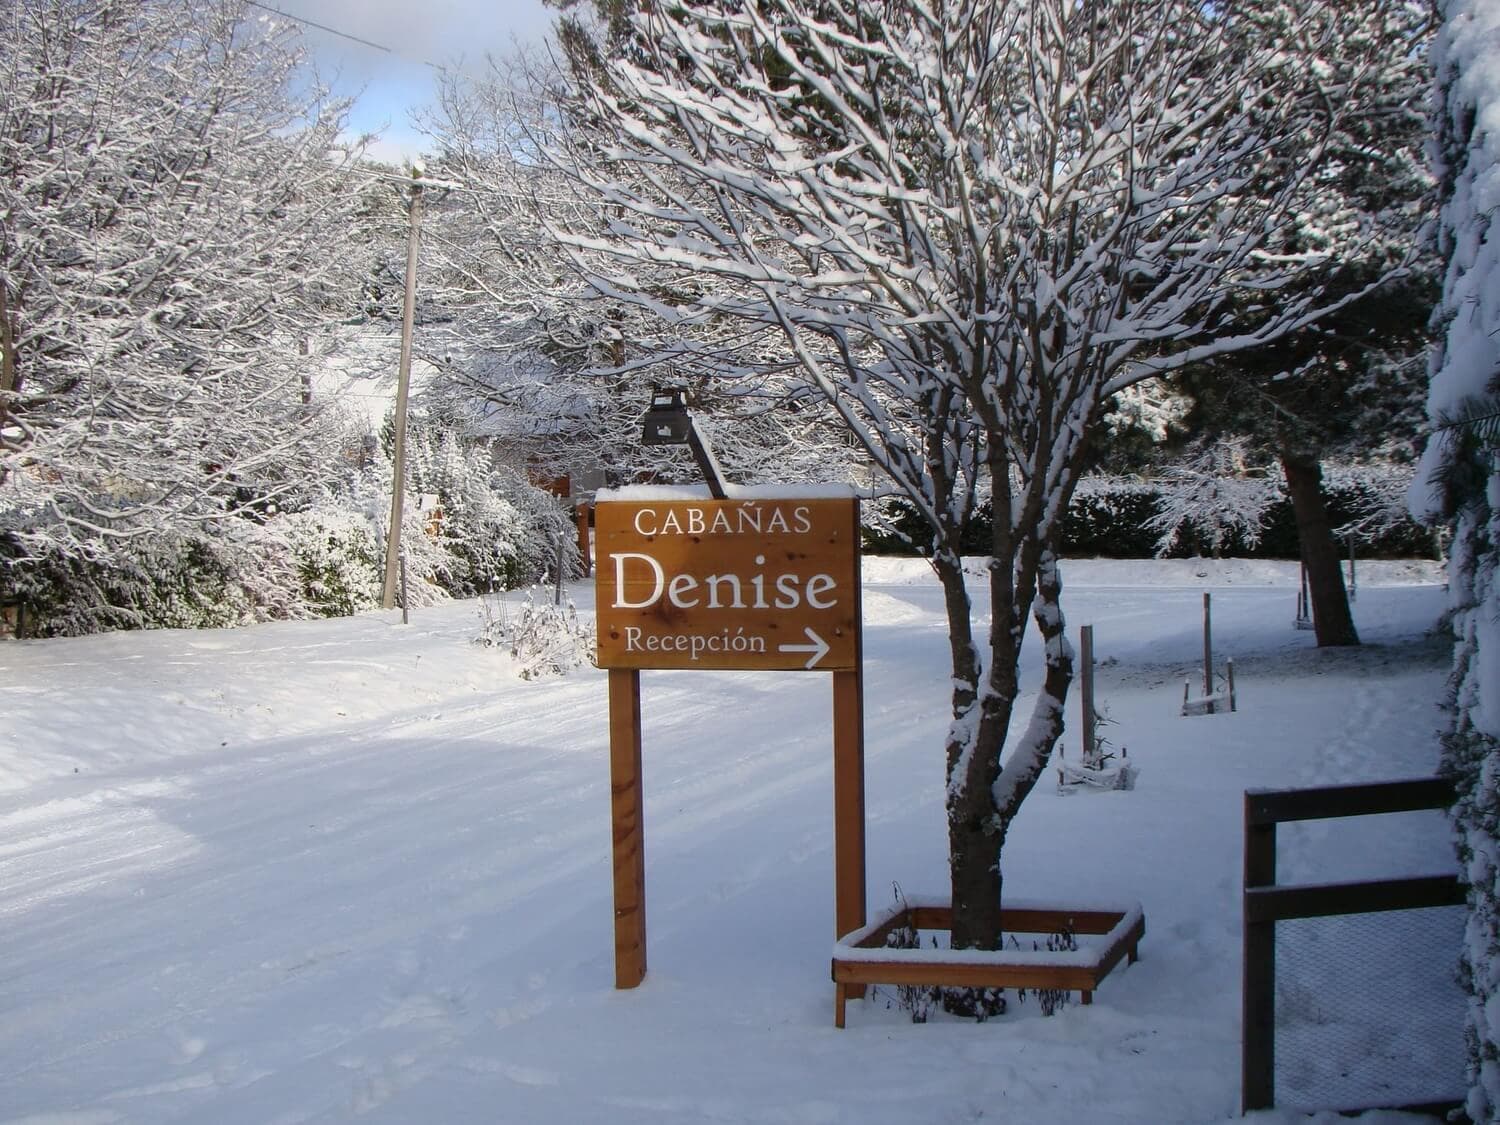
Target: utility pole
{"x":403,"y":382}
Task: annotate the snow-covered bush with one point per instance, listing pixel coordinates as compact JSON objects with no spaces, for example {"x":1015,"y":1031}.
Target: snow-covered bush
{"x":497,"y":530}
{"x":544,"y":523}
{"x":1111,"y":517}
{"x":1368,"y":504}
{"x":335,"y":558}
{"x":477,"y":526}
{"x":159,"y":581}
{"x":1187,"y":514}
{"x":324,"y":557}
{"x":543,"y":638}
{"x":892,"y":526}
{"x":1212,"y":502}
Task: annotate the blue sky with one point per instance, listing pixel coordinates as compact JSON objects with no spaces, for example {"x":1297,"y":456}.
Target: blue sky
{"x":389,"y":83}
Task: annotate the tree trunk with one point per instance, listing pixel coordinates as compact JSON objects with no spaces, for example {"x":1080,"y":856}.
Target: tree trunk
{"x":973,"y":763}
{"x":1332,"y":621}
{"x":10,"y":379}
{"x":974,"y":844}
{"x":983,"y":797}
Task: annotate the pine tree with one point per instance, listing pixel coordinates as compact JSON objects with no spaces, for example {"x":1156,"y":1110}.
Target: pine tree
{"x":1350,"y":385}
{"x":1459,"y":483}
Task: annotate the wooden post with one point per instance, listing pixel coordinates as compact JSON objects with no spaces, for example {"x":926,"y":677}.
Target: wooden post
{"x":848,"y":802}
{"x":849,"y":789}
{"x":1353,"y":578}
{"x":1229,"y":675}
{"x":1086,"y":695}
{"x":627,"y":808}
{"x":1258,"y":978}
{"x":1208,"y":653}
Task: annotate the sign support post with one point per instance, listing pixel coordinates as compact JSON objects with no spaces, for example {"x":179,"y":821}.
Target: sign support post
{"x":849,"y":805}
{"x":627,"y":806}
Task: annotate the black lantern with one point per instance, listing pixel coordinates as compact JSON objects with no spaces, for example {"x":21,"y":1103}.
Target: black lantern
{"x":667,"y":421}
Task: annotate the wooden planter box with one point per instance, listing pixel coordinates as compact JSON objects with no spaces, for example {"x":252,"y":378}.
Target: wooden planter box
{"x":861,"y":958}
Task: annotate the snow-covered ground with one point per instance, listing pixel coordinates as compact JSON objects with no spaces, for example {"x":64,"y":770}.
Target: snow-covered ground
{"x":355,"y":870}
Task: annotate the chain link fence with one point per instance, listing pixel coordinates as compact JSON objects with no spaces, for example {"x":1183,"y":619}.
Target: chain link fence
{"x":1368,"y":1009}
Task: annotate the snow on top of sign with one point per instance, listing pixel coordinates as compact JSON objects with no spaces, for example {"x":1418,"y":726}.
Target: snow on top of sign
{"x":641,"y":492}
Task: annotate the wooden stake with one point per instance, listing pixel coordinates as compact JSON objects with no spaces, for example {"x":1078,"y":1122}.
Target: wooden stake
{"x":1086,"y":694}
{"x":1208,"y":652}
{"x":627,"y":808}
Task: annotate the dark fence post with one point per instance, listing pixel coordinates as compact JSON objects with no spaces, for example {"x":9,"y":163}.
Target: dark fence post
{"x":1258,"y":995}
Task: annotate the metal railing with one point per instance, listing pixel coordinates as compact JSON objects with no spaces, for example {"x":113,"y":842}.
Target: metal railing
{"x":1266,"y":903}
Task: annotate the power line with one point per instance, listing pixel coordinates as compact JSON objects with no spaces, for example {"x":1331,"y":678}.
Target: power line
{"x":341,"y":34}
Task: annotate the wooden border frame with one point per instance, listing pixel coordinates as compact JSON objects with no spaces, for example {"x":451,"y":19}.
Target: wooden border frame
{"x":1080,"y":972}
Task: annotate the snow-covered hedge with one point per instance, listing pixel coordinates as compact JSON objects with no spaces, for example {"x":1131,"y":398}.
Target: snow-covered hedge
{"x":1187,"y":515}
{"x":322,"y":558}
{"x":498,"y":530}
{"x":335,"y":558}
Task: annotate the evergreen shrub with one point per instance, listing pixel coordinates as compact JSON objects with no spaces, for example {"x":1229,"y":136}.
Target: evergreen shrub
{"x":156,"y":582}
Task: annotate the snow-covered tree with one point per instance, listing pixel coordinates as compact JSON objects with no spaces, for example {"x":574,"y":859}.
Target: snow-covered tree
{"x":498,"y":531}
{"x":1459,"y":482}
{"x":1214,"y":496}
{"x":174,"y":211}
{"x":1350,"y":386}
{"x":970,"y":223}
{"x":523,"y":357}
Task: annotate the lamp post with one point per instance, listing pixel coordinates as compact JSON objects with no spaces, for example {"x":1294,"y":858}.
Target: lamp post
{"x":669,"y":423}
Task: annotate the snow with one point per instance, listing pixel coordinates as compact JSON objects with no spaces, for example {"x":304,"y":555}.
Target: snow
{"x":353,"y":870}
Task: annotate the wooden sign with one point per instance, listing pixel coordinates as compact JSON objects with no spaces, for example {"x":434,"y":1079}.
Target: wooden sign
{"x":728,"y":584}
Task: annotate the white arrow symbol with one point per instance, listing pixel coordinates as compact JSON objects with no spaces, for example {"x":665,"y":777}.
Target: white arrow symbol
{"x":818,"y":648}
